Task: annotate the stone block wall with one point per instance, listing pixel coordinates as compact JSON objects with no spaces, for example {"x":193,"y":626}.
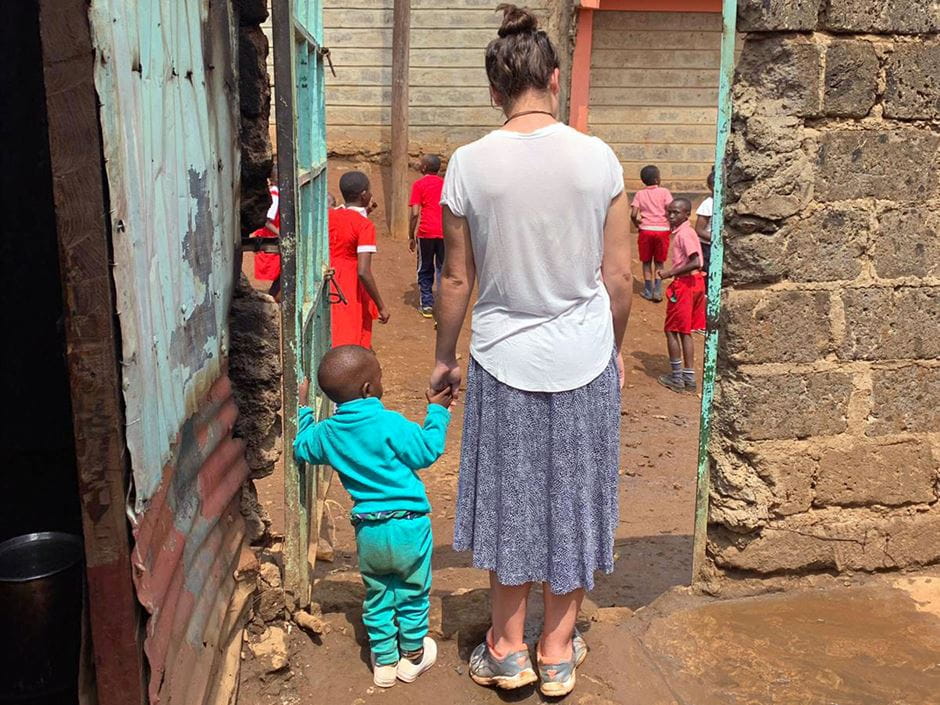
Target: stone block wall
{"x":826,"y":451}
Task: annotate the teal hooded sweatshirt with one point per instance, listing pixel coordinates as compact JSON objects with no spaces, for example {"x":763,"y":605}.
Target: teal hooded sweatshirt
{"x":376,"y":452}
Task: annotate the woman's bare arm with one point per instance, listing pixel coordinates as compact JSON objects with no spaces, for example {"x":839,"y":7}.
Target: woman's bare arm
{"x":453,"y":298}
{"x":615,"y":269}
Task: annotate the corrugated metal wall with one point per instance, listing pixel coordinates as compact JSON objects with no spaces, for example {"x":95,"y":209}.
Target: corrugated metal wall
{"x":654,"y":92}
{"x":165,"y":76}
{"x":450,"y":103}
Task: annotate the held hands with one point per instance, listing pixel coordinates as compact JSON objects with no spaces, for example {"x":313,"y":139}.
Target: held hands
{"x":443,"y":397}
{"x":664,"y":273}
{"x":446,"y":376}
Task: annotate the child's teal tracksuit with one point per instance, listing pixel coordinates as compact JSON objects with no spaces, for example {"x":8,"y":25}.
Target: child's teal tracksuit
{"x":376,"y":453}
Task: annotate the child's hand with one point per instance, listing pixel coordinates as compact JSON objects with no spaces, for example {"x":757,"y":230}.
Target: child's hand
{"x":384,"y":315}
{"x":443,"y":397}
{"x":372,"y":206}
{"x":303,"y":392}
{"x":412,"y":244}
{"x":663,"y":273}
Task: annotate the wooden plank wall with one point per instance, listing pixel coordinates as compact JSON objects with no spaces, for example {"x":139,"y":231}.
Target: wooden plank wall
{"x":449,"y":97}
{"x":654,"y":92}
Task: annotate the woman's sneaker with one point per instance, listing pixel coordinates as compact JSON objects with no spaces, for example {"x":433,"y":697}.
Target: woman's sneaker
{"x":580,"y":647}
{"x":408,"y":670}
{"x":384,"y":676}
{"x":514,"y":671}
{"x":558,"y":679}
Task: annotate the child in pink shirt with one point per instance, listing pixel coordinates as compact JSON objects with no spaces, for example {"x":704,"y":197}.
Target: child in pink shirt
{"x":685,"y":298}
{"x":649,"y":217}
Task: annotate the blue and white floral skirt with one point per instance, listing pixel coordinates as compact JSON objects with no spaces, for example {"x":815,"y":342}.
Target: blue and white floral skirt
{"x":537,"y":497}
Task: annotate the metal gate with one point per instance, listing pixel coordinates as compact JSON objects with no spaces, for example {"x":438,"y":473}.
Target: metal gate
{"x":304,"y":242}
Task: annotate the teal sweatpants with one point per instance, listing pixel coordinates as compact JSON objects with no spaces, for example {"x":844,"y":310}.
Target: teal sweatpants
{"x":395,"y":562}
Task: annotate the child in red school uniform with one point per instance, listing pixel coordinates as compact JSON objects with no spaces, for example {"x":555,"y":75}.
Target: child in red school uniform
{"x":649,"y":216}
{"x":268,"y":264}
{"x":425,"y":231}
{"x":685,"y":297}
{"x":352,"y":244}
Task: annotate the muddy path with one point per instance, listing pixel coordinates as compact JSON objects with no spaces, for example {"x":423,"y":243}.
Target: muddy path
{"x":653,"y":543}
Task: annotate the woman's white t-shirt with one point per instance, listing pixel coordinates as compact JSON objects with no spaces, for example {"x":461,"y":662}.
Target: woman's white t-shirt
{"x":536,"y":204}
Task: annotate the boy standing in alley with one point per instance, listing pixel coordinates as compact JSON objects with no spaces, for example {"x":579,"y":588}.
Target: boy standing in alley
{"x":685,"y":297}
{"x":377,"y":453}
{"x":352,"y":246}
{"x":649,"y":216}
{"x":426,"y":234}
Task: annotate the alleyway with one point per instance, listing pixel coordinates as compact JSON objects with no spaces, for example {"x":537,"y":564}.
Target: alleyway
{"x":653,"y":547}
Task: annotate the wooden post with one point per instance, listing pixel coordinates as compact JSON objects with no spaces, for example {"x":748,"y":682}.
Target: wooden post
{"x":401,"y":51}
{"x":92,"y":347}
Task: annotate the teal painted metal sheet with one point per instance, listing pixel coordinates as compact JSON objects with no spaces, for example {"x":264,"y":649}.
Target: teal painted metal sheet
{"x":302,"y":163}
{"x":166,"y":82}
{"x":165,"y":76}
{"x":726,"y":76}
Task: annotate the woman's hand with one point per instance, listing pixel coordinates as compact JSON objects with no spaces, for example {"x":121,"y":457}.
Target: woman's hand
{"x":446,"y":375}
{"x":620,"y":369}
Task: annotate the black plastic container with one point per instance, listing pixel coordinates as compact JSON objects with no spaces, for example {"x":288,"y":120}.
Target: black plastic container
{"x":41,"y":585}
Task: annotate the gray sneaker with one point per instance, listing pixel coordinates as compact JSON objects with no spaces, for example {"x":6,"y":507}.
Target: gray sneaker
{"x":514,"y":671}
{"x":580,"y":648}
{"x":676,"y":385}
{"x":558,"y":679}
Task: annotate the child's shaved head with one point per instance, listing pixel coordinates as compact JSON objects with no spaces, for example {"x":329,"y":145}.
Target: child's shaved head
{"x":350,"y":372}
{"x":352,"y":185}
{"x":649,"y":175}
{"x":430,"y":164}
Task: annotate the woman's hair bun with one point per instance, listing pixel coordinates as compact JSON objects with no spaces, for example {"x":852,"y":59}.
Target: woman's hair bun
{"x":516,"y":20}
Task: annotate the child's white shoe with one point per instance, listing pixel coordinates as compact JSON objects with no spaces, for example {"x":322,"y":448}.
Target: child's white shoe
{"x":408,"y":672}
{"x":383,"y":676}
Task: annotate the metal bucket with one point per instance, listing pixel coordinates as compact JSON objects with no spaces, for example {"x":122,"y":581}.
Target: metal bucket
{"x":41,"y":586}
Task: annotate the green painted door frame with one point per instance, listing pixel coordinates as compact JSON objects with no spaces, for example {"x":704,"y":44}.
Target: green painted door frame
{"x":726,"y":76}
{"x":304,"y":244}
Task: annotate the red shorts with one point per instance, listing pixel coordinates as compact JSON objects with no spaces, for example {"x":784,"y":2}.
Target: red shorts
{"x":685,"y":305}
{"x":653,"y":245}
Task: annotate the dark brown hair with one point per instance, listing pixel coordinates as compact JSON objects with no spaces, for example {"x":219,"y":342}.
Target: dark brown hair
{"x":522,"y":57}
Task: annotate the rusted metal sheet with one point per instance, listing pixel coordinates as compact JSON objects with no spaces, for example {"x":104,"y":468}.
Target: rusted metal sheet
{"x":164,"y":72}
{"x":189,"y":558}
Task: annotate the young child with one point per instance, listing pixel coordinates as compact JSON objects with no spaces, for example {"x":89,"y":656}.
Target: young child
{"x":268,"y":264}
{"x":649,"y":216}
{"x":376,"y":453}
{"x":703,"y":228}
{"x":703,"y":225}
{"x":352,"y":244}
{"x":425,"y":230}
{"x":685,"y":297}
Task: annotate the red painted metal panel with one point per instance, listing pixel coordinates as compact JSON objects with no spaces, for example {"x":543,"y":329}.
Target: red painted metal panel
{"x":188,"y":548}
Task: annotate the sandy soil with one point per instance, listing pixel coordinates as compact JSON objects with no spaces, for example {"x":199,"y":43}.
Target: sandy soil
{"x":653,"y":544}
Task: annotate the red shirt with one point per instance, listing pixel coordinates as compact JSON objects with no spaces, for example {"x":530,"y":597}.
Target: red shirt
{"x":268,"y":264}
{"x":351,"y":233}
{"x":426,"y":193}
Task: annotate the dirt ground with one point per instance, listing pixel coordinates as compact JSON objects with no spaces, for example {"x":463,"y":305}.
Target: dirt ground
{"x":653,"y":544}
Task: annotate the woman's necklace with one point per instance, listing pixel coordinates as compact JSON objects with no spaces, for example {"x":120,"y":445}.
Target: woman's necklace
{"x":528,"y":112}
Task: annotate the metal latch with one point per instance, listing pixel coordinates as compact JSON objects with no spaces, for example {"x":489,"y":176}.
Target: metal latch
{"x":324,"y":53}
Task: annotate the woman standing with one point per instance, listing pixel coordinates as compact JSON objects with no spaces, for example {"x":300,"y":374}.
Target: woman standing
{"x":536,"y":213}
